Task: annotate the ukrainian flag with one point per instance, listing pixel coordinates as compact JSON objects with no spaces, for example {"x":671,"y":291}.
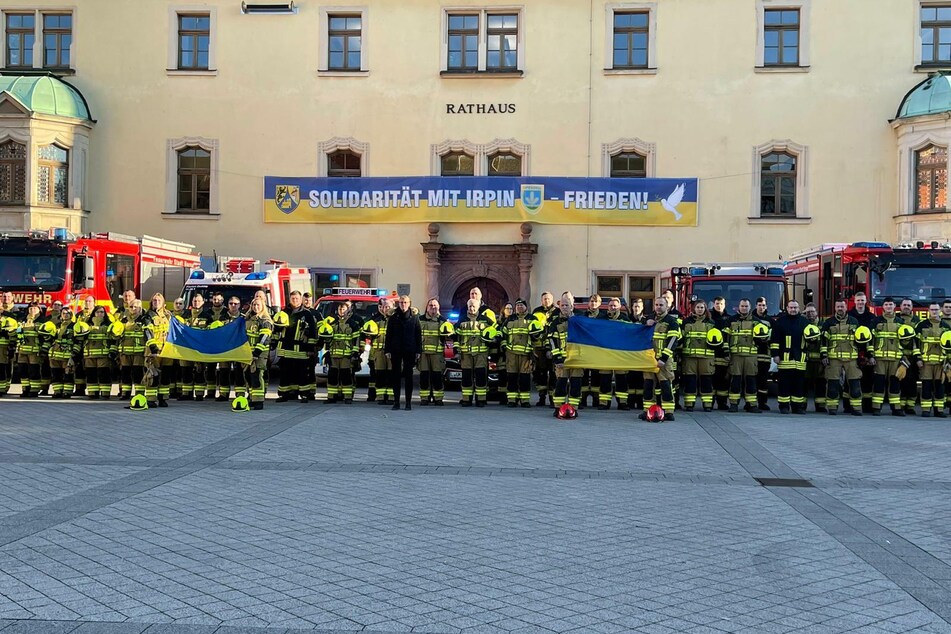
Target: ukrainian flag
{"x":603,"y":344}
{"x":227,"y":343}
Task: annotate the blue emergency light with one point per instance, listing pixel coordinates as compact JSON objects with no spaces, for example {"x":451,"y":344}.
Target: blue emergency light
{"x":871,"y":245}
{"x":698,"y":270}
{"x":197,"y":275}
{"x":257,"y":275}
{"x":453,"y":316}
{"x":334,"y":278}
{"x":775,"y":270}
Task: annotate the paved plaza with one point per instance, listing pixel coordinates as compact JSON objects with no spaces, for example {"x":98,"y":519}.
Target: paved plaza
{"x":328,"y":518}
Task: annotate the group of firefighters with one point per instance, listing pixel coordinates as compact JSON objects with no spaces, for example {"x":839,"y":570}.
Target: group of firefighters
{"x":854,"y":357}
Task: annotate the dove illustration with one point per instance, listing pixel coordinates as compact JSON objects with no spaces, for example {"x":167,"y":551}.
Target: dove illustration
{"x":670,"y":203}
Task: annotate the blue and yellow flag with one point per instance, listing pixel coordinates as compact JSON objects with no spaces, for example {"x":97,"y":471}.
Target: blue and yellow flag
{"x":603,"y":344}
{"x":227,"y":343}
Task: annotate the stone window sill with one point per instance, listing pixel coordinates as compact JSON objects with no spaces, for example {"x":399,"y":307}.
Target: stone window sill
{"x":184,"y":215}
{"x":781,"y":69}
{"x":779,"y":221}
{"x":630,"y":71}
{"x":931,"y":68}
{"x":343,"y":73}
{"x":175,"y":72}
{"x":480,"y":74}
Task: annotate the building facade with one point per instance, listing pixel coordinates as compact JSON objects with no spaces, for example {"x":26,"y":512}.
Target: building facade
{"x":804,"y":121}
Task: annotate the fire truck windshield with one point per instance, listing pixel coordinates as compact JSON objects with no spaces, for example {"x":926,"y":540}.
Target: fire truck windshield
{"x":363,"y":310}
{"x":735,"y":290}
{"x":921,"y":284}
{"x":40,"y":271}
{"x":242,"y":292}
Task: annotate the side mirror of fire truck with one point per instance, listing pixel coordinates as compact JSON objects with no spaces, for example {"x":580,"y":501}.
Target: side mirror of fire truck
{"x":808,"y":296}
{"x":89,"y":273}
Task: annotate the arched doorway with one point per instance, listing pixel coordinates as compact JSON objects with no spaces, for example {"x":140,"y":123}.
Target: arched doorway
{"x":493,"y":294}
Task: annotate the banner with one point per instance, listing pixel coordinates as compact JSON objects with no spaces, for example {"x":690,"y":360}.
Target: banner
{"x":667,"y":202}
{"x":605,"y":344}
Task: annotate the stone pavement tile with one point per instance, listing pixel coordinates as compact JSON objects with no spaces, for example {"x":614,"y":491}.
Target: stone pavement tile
{"x":28,"y":485}
{"x":111,"y":628}
{"x":41,"y":627}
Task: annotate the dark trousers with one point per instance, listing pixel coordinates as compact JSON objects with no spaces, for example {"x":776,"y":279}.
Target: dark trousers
{"x":762,"y":383}
{"x":791,"y":385}
{"x":403,"y":364}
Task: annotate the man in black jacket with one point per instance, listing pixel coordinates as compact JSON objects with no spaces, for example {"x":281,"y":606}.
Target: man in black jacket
{"x":787,"y":346}
{"x":404,"y":345}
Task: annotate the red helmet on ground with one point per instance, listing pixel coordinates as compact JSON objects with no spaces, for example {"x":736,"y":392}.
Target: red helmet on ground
{"x":566,"y":412}
{"x":655,"y":413}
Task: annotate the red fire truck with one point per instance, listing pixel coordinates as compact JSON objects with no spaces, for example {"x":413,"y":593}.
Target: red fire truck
{"x":59,"y":266}
{"x":243,"y":277}
{"x":733,"y":282}
{"x":917,"y":271}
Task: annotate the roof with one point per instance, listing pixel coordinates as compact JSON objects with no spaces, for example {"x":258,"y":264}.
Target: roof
{"x":46,"y":94}
{"x":932,"y":96}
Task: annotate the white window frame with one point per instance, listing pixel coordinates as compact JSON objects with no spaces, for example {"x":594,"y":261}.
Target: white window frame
{"x":171,"y":67}
{"x":172,"y":147}
{"x":22,"y":136}
{"x":38,"y":49}
{"x":628,"y":144}
{"x":328,"y":147}
{"x":438,"y":150}
{"x":801,"y":152}
{"x":513,"y":146}
{"x":623,"y":7}
{"x":805,"y":12}
{"x":323,"y":52}
{"x":626,"y":289}
{"x":483,"y":12}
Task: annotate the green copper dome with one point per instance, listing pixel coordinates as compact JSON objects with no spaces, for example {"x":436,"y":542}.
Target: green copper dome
{"x":932,"y":96}
{"x":46,"y":95}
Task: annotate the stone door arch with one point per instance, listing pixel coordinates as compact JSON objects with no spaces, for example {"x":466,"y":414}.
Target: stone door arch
{"x":494,"y":294}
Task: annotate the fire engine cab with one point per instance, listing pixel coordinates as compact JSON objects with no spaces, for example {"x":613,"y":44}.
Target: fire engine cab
{"x":917,"y":271}
{"x":58,"y":266}
{"x":364,"y":305}
{"x":243,"y":277}
{"x":733,"y":282}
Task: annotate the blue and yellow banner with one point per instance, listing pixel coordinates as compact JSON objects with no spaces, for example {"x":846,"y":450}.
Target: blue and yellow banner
{"x":668,"y":202}
{"x":227,"y":343}
{"x":603,"y":344}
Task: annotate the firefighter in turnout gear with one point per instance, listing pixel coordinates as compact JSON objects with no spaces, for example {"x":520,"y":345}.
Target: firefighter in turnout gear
{"x":698,"y":349}
{"x":295,"y":346}
{"x":214,"y":314}
{"x":436,"y":330}
{"x":815,"y":371}
{"x":341,"y":336}
{"x":99,"y":348}
{"x":567,"y":380}
{"x":931,"y":360}
{"x":865,"y":317}
{"x":157,"y":377}
{"x":788,"y":347}
{"x":473,"y":351}
{"x":84,"y":316}
{"x":9,"y":323}
{"x":613,"y":382}
{"x":761,"y":314}
{"x":259,"y":327}
{"x":29,"y":351}
{"x":743,"y":357}
{"x":518,"y":344}
{"x":591,"y":379}
{"x":667,"y":336}
{"x":380,"y":366}
{"x":841,"y":340}
{"x":909,"y":384}
{"x":61,"y":352}
{"x":889,"y":359}
{"x":635,"y":378}
{"x":721,"y":359}
{"x":174,"y":370}
{"x":230,"y":374}
{"x":131,"y":344}
{"x":544,"y":375}
{"x":193,"y":372}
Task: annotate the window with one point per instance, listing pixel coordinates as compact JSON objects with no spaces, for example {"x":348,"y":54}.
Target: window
{"x":631,"y":33}
{"x":504,"y":164}
{"x":457,"y":164}
{"x":781,"y":37}
{"x":476,"y":41}
{"x":344,"y":278}
{"x":628,"y":165}
{"x":344,"y":39}
{"x":57,"y":38}
{"x":502,"y":42}
{"x":120,"y":276}
{"x":778,"y":184}
{"x":194,"y":41}
{"x":194,"y":180}
{"x":936,"y":35}
{"x":52,"y":176}
{"x":343,"y":163}
{"x":642,"y":287}
{"x":463,"y":42}
{"x":12,"y":173}
{"x":21,"y":33}
{"x":627,"y":285}
{"x":931,"y":179}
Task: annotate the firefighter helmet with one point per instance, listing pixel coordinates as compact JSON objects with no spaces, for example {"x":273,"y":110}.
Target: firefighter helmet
{"x":446,"y":329}
{"x":536,"y":327}
{"x":862,"y":334}
{"x":138,"y":403}
{"x":116,"y":329}
{"x":8,"y":324}
{"x":80,"y":328}
{"x":490,"y":315}
{"x":714,"y":338}
{"x":371,"y":329}
{"x":946,"y":341}
{"x":325,"y":330}
{"x":655,"y":413}
{"x":240,"y":404}
{"x":215,"y":324}
{"x":566,"y":412}
{"x":48,"y":328}
{"x":491,"y":334}
{"x":811,"y":332}
{"x":906,"y":332}
{"x":281,"y":320}
{"x":760,"y":330}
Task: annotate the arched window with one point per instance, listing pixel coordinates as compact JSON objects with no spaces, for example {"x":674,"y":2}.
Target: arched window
{"x":457,"y":164}
{"x":628,"y":165}
{"x":504,"y":164}
{"x":931,"y":179}
{"x":778,"y":185}
{"x":52,"y":175}
{"x":343,"y":163}
{"x":194,"y":179}
{"x":12,"y":173}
